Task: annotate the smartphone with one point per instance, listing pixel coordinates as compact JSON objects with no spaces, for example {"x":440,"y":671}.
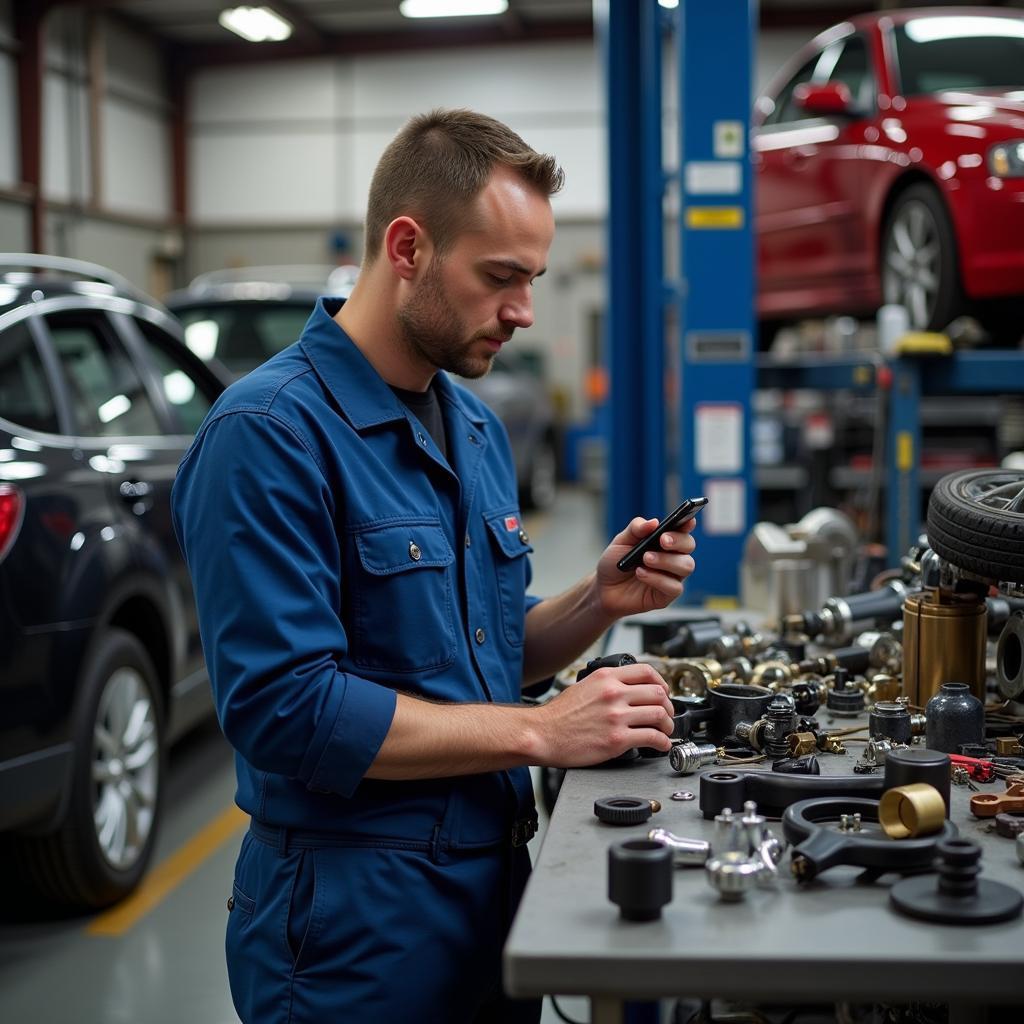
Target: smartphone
{"x":676,"y":517}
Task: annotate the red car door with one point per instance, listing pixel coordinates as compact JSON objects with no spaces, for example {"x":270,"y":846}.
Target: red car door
{"x":816,"y":250}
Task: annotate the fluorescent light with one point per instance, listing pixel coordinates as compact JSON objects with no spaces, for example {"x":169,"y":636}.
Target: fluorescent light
{"x":256,"y":24}
{"x":668,"y":3}
{"x":928,"y":30}
{"x":451,"y":8}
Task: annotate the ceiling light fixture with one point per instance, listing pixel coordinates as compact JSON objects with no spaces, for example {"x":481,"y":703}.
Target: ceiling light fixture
{"x":451,"y":8}
{"x":256,"y":24}
{"x":671,"y":4}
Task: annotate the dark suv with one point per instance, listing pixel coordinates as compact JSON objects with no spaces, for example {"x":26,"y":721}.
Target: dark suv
{"x":100,"y":659}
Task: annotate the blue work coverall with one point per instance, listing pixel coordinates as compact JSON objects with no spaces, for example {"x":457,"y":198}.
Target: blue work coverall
{"x":337,"y":557}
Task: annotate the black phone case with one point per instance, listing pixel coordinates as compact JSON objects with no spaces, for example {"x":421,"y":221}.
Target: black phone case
{"x":680,"y":514}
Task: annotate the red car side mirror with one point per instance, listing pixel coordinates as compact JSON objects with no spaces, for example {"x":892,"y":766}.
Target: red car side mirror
{"x":825,"y":100}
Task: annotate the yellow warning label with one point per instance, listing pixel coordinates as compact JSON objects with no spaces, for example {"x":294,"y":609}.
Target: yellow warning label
{"x":730,"y":217}
{"x":904,"y":451}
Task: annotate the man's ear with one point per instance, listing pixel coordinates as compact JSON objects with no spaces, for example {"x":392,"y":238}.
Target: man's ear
{"x":406,"y":247}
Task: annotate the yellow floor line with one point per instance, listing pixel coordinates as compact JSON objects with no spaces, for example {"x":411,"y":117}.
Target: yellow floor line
{"x":168,"y":875}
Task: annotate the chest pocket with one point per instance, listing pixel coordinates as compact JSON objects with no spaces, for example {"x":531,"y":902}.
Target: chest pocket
{"x":510,"y":545}
{"x":402,"y":599}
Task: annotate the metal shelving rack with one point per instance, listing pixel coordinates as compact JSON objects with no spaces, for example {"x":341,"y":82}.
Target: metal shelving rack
{"x":907,"y":380}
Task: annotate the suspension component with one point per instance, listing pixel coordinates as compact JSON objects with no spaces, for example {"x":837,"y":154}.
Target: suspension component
{"x":685,"y":852}
{"x":844,"y":699}
{"x":780,"y":720}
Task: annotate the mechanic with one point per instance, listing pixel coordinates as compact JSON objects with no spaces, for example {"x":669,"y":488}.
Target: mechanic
{"x":350,"y":521}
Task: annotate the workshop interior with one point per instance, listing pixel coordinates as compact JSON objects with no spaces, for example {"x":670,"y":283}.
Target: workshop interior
{"x":785,"y":300}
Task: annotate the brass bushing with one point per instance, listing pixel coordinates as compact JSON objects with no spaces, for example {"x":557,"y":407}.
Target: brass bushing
{"x":943,"y":639}
{"x":906,"y":812}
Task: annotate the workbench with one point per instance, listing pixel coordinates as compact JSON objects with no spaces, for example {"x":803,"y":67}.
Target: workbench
{"x":831,"y":940}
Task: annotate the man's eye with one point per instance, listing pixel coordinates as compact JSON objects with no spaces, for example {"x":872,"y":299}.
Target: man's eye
{"x":499,"y":280}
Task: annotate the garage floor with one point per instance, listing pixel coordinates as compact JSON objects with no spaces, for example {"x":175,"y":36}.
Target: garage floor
{"x":158,"y":958}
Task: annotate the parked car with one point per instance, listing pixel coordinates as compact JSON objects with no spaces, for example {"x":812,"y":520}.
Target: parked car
{"x":889,"y":157}
{"x":101,"y":665}
{"x":239,"y":318}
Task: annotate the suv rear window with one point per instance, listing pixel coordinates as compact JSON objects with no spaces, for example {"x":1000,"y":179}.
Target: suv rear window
{"x":25,"y":396}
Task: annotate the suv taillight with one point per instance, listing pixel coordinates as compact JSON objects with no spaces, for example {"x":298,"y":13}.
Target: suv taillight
{"x":12,"y":505}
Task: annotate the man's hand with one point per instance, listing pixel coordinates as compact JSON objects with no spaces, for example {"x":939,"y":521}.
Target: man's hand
{"x":603,"y":715}
{"x":656,"y":583}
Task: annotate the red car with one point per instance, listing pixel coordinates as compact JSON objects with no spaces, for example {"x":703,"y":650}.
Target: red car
{"x":890,"y":168}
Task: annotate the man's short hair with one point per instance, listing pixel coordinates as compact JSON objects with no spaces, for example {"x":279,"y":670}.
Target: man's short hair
{"x":438,"y":164}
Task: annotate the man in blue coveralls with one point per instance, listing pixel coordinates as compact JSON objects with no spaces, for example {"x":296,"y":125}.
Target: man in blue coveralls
{"x":350,"y":521}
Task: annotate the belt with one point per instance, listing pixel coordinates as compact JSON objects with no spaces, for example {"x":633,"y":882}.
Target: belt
{"x":524,"y":829}
{"x":285,"y":838}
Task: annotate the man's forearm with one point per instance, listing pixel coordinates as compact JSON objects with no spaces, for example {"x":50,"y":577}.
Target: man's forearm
{"x":560,"y":629}
{"x":429,"y":741}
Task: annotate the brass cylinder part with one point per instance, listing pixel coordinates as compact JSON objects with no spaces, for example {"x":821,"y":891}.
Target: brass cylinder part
{"x":906,"y":812}
{"x":943,"y":641}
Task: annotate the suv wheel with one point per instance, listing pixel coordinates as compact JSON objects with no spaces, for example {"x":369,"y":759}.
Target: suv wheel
{"x":101,"y":850}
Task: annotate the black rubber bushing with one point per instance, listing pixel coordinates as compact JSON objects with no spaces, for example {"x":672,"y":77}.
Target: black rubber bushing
{"x":623,"y":810}
{"x":640,"y":878}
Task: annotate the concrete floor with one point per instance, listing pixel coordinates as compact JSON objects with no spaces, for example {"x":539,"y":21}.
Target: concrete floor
{"x":161,"y":960}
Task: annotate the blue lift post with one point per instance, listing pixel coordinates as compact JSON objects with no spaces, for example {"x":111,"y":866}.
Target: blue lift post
{"x":715,"y":48}
{"x":630,"y":33}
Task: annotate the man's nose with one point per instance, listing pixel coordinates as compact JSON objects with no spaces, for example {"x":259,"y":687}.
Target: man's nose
{"x":518,"y":311}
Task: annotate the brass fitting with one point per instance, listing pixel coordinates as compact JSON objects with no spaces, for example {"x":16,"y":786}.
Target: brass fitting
{"x":698,"y":676}
{"x":801,"y":743}
{"x":883,"y":687}
{"x":772,"y":674}
{"x":906,"y":812}
{"x":831,"y":745}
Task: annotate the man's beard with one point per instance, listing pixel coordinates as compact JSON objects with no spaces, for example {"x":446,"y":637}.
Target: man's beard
{"x":434,"y":332}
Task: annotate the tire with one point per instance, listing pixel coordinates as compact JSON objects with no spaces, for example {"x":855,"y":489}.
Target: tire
{"x":541,"y":485}
{"x":101,"y":850}
{"x":919,"y":263}
{"x":976,"y":522}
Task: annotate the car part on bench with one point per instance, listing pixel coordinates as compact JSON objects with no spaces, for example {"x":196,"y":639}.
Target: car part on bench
{"x":844,"y":698}
{"x":687,"y":757}
{"x":819,"y":843}
{"x":988,"y":805}
{"x":944,"y":637}
{"x":955,"y":718}
{"x":773,"y":793}
{"x":904,"y":766}
{"x":685,"y":852}
{"x":1010,"y":658}
{"x":798,"y":766}
{"x":721,"y":710}
{"x":837,"y":618}
{"x":624,"y":810}
{"x":959,"y":896}
{"x":890,"y":720}
{"x":907,"y":812}
{"x":1009,"y":826}
{"x":639,"y":878}
{"x":976,"y":523}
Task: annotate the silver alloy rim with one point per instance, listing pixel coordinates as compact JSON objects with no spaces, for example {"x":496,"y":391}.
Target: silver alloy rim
{"x":1001,"y":491}
{"x":125,"y":767}
{"x":911,"y":263}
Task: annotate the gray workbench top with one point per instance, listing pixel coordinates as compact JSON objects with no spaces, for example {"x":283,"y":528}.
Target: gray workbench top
{"x":835,"y":938}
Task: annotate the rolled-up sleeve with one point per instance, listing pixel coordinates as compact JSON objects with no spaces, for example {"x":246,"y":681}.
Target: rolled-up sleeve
{"x":254,"y":515}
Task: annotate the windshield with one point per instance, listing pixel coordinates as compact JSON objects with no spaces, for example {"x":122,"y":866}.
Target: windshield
{"x":960,"y":52}
{"x":242,"y":335}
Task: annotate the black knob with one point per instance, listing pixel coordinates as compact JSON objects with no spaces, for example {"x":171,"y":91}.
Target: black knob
{"x":640,"y":878}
